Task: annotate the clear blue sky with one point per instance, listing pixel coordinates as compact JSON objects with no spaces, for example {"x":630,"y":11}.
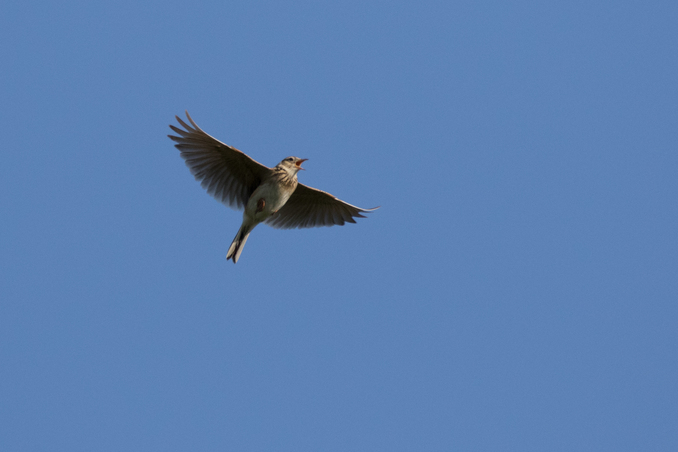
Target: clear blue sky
{"x":517,"y":290}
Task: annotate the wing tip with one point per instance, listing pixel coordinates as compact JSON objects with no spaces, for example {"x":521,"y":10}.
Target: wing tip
{"x":183,"y":123}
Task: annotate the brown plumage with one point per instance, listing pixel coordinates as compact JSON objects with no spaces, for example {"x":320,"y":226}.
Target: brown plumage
{"x":280,"y":201}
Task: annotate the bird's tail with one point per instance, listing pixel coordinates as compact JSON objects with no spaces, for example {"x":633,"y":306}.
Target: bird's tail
{"x":238,"y":243}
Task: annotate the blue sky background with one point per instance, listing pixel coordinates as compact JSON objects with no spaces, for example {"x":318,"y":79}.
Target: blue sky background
{"x":516,"y":291}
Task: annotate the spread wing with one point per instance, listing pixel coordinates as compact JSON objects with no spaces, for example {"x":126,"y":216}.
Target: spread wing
{"x":225,"y":172}
{"x":308,"y":208}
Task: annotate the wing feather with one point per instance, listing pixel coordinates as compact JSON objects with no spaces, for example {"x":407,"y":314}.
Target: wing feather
{"x":309,"y":207}
{"x":223,"y":171}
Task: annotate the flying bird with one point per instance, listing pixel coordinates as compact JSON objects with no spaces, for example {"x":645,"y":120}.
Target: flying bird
{"x":268,"y":195}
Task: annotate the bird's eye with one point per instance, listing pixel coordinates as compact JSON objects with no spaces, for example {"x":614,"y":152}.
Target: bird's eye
{"x":289,"y":159}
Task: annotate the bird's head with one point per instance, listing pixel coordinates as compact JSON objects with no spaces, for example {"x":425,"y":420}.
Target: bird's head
{"x":292,"y":164}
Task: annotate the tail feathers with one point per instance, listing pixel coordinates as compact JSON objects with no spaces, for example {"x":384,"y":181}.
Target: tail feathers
{"x":238,"y":243}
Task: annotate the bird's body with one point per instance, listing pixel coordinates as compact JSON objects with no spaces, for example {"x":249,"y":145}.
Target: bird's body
{"x":271,"y":195}
{"x":275,"y":190}
{"x":266,"y":200}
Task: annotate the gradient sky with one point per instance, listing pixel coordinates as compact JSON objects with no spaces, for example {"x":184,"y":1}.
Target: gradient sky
{"x":517,"y":290}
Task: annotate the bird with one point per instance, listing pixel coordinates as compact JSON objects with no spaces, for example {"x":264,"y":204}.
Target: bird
{"x":267,"y":195}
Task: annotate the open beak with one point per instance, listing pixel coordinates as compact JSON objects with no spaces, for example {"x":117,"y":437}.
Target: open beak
{"x":299,"y":162}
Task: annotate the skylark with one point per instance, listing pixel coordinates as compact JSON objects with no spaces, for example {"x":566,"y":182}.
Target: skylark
{"x":269,"y":195}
